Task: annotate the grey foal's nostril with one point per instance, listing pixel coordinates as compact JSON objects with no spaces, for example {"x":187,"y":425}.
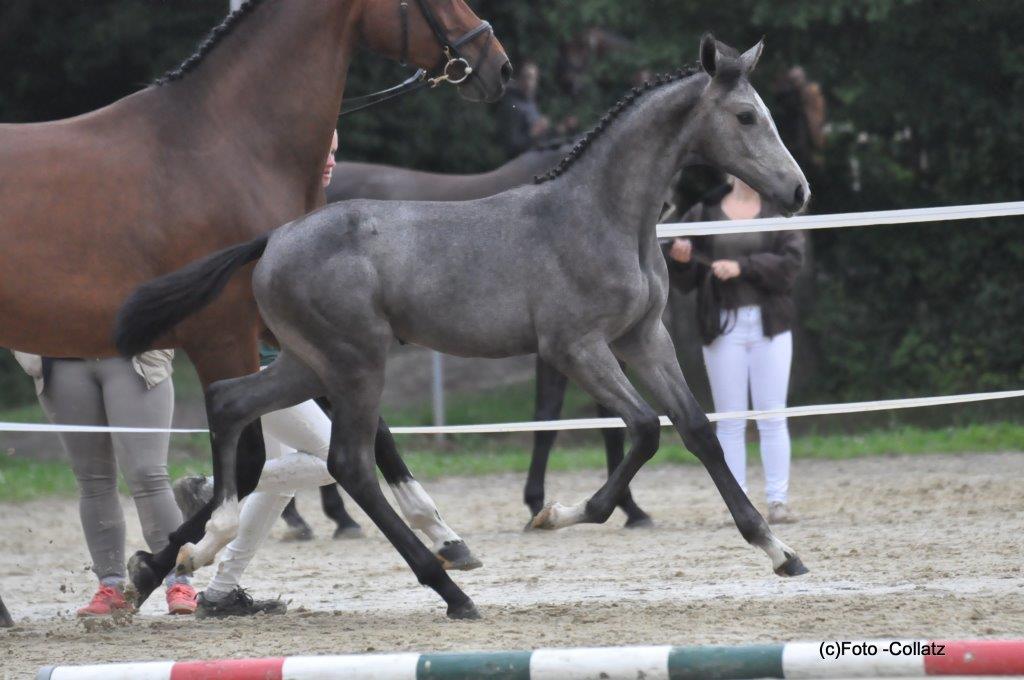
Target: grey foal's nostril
{"x":798,"y":195}
{"x":506,"y":72}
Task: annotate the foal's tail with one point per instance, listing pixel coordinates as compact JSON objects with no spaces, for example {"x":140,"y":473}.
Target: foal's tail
{"x":157,"y":306}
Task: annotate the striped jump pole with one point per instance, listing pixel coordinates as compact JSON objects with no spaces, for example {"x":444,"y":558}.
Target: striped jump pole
{"x":830,"y":659}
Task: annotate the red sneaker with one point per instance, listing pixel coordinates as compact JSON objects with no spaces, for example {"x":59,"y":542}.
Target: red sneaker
{"x":104,"y":602}
{"x":181,"y":599}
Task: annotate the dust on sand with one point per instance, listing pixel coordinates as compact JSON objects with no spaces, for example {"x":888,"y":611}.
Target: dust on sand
{"x":925,"y":546}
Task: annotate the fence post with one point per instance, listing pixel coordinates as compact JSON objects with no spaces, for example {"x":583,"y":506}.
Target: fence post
{"x":437,"y":391}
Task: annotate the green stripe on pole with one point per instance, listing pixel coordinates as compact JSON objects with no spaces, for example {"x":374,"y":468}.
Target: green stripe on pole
{"x":725,"y":663}
{"x":488,"y":665}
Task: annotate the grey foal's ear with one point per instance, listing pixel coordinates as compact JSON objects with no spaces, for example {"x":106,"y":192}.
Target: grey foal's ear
{"x":709,"y":54}
{"x":750,"y":58}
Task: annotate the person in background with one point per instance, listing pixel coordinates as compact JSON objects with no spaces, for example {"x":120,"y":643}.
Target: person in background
{"x":800,"y":114}
{"x":745,"y":311}
{"x":117,"y":392}
{"x":523,"y":124}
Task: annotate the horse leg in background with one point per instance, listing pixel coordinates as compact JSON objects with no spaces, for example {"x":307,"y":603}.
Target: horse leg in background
{"x":6,"y":621}
{"x":651,"y":355}
{"x":418,"y":507}
{"x":591,"y":364}
{"x":334,"y":508}
{"x":298,"y":529}
{"x":614,"y":447}
{"x":233,"y":356}
{"x":232,"y":405}
{"x":355,"y":394}
{"x":550,"y":386}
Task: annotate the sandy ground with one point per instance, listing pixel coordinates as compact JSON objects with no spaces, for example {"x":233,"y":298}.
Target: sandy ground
{"x":929,"y":546}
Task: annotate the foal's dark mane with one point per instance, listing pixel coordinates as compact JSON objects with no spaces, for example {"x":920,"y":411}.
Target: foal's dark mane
{"x":620,"y":107}
{"x":213,"y":38}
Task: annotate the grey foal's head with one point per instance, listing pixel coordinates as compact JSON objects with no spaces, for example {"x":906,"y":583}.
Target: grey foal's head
{"x":736,"y":131}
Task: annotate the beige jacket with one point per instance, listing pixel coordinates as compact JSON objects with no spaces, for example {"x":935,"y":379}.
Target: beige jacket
{"x":153,"y":366}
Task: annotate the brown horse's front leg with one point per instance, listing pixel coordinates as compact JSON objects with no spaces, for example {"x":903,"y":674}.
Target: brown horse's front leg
{"x":229,"y":356}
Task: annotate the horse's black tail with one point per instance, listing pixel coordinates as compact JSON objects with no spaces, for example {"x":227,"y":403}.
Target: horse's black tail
{"x":155,"y":307}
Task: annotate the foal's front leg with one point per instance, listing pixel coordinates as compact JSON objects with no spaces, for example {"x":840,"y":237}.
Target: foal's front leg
{"x":650,"y":353}
{"x":595,"y":369}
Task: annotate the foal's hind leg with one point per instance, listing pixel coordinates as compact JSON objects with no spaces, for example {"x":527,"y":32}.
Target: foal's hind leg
{"x":418,"y":507}
{"x":355,"y":389}
{"x":231,"y":405}
{"x":651,"y":355}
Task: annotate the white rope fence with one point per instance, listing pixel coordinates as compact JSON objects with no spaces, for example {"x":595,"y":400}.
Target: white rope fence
{"x":593,"y":423}
{"x":802,"y":222}
{"x":877,"y":218}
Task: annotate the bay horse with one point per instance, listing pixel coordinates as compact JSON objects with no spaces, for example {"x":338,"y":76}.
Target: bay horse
{"x":92,"y":206}
{"x":388,"y":183}
{"x":578,"y":277}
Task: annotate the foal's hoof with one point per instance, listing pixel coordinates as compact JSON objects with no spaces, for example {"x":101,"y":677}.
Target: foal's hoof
{"x":466,"y":611}
{"x":349,"y":532}
{"x":545,"y":519}
{"x":456,"y":556}
{"x":792,"y":567}
{"x":186,"y":565}
{"x":644,"y":522}
{"x":300,"y":533}
{"x":143,"y":578}
{"x":558,"y":516}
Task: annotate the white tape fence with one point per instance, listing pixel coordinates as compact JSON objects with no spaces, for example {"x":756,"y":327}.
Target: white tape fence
{"x":802,"y":222}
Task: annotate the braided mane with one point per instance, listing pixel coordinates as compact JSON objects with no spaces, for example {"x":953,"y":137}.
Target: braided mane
{"x":620,"y":107}
{"x":213,"y":38}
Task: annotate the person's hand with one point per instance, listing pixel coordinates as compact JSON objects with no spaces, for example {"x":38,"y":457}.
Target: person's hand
{"x":540,"y":126}
{"x":725,"y":269}
{"x":681,"y":250}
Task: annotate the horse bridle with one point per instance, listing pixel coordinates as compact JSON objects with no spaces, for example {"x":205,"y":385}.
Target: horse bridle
{"x":453,"y":68}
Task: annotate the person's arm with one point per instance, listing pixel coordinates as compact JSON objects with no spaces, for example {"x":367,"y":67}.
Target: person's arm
{"x":686,"y":275}
{"x":775,"y":270}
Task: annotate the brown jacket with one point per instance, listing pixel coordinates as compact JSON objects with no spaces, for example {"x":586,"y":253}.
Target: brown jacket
{"x":772,"y":271}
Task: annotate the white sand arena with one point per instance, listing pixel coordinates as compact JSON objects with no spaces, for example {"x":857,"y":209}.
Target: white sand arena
{"x":923,"y":546}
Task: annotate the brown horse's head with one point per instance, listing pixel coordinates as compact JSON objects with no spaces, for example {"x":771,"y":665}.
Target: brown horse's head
{"x":446,"y":38}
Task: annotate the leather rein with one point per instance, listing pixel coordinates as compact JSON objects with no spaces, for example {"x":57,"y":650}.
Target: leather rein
{"x":452,"y":68}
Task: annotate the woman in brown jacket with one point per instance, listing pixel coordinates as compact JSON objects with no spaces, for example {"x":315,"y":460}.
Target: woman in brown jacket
{"x":745,"y":312}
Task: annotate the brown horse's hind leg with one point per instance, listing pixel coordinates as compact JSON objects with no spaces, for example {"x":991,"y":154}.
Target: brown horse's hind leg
{"x":230,"y":357}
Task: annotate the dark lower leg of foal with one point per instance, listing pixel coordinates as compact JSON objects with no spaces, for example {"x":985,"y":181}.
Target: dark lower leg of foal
{"x":389,"y":462}
{"x":614,"y":451}
{"x":550,"y":394}
{"x":652,"y":356}
{"x":147,"y":571}
{"x":354,"y":471}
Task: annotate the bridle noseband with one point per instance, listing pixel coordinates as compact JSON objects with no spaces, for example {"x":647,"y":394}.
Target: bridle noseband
{"x":453,"y":68}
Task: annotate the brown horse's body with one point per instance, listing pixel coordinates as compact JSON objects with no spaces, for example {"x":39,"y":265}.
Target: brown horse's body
{"x":93,"y":206}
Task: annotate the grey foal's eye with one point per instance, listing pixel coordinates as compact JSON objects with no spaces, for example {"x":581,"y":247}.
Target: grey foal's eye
{"x":746,"y":118}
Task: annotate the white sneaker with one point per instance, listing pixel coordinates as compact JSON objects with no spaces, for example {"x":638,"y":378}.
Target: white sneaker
{"x":779,"y":513}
